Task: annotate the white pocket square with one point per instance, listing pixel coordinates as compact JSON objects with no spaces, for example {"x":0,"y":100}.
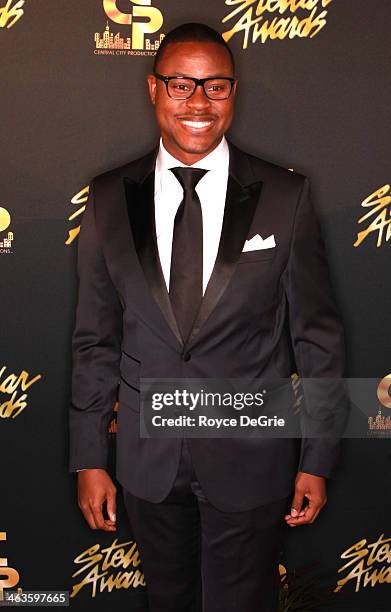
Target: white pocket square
{"x":257,"y":242}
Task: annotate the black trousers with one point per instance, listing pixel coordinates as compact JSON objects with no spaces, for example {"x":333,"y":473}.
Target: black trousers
{"x":197,"y":558}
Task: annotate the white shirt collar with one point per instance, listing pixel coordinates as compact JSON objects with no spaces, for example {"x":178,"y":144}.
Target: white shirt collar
{"x":215,"y":160}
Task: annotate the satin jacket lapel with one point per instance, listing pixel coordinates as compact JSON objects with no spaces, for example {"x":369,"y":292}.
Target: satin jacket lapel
{"x":141,"y":211}
{"x":241,"y":200}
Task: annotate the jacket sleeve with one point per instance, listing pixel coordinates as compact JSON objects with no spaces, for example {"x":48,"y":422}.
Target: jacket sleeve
{"x":318,"y":342}
{"x":96,"y":349}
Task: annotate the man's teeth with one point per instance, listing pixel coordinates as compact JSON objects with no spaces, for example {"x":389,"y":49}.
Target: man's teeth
{"x":196,"y":124}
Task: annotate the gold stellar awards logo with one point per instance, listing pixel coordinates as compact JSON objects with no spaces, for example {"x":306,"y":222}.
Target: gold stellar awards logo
{"x":368,"y":564}
{"x":378,"y":216}
{"x":114,"y":567}
{"x":6,"y":235}
{"x":78,"y":200}
{"x":142,"y":19}
{"x":10,"y":12}
{"x":265,"y":20}
{"x":9,"y":577}
{"x":13,"y":389}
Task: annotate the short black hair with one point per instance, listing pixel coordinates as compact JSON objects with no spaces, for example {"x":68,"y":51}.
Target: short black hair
{"x":192,"y":32}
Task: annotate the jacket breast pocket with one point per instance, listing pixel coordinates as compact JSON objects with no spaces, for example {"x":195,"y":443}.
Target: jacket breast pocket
{"x":129,"y":387}
{"x":257,"y":255}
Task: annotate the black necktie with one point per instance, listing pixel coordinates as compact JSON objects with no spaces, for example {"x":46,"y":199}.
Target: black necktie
{"x":186,"y":256}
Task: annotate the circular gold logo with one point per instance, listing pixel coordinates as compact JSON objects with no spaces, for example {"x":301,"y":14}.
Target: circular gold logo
{"x":5,"y":219}
{"x":383,"y":391}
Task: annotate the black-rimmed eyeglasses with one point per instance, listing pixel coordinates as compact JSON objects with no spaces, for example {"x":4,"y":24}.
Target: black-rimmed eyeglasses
{"x":183,"y":87}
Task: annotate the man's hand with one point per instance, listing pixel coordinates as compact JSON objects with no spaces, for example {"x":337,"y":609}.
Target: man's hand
{"x":314,"y":489}
{"x":94,"y":487}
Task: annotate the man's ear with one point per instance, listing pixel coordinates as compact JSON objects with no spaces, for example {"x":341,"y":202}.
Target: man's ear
{"x":152,"y":87}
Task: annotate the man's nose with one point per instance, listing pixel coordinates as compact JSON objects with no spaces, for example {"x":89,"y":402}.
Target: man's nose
{"x":199,"y":99}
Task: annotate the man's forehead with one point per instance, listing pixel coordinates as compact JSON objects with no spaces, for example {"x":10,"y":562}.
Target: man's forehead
{"x":180,"y":56}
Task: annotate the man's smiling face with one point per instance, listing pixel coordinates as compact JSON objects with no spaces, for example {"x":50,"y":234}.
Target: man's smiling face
{"x":192,"y":128}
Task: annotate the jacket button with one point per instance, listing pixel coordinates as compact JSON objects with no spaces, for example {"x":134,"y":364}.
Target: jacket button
{"x":186,"y":356}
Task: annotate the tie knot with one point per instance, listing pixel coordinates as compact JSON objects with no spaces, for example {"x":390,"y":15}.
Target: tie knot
{"x":188,"y":177}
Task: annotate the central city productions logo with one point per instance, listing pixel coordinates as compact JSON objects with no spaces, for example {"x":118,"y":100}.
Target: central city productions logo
{"x":142,"y":20}
{"x":9,"y":576}
{"x":6,"y":238}
{"x":380,"y":425}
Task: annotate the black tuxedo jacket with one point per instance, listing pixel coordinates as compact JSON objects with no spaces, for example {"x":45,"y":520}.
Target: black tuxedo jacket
{"x":264,"y":313}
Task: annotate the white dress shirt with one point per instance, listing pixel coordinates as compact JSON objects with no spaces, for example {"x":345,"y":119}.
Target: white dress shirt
{"x":211,"y":190}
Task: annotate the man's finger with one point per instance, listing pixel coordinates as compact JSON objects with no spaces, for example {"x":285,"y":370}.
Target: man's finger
{"x":297,"y":503}
{"x":304,"y":520}
{"x":311,"y":512}
{"x":301,"y":513}
{"x":96,"y":508}
{"x":111,"y":505}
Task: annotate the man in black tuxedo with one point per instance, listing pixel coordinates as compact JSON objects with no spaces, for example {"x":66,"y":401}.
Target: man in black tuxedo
{"x":199,"y":260}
